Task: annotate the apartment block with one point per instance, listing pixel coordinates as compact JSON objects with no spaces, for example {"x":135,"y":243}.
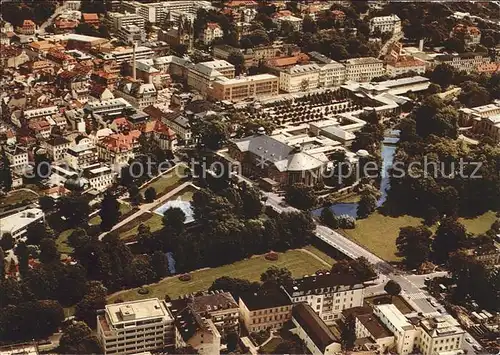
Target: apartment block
{"x":404,"y":332}
{"x":327,"y":294}
{"x":464,"y":61}
{"x":99,"y":177}
{"x":363,"y":69}
{"x":201,"y":75}
{"x":255,"y":86}
{"x":331,"y":74}
{"x":300,"y":78}
{"x":135,"y":327}
{"x":385,"y":24}
{"x":118,"y":20}
{"x":266,"y":309}
{"x":440,"y":335}
{"x":18,"y":158}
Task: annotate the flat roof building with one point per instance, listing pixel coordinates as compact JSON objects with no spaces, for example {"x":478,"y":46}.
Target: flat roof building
{"x":17,"y":223}
{"x":236,"y":89}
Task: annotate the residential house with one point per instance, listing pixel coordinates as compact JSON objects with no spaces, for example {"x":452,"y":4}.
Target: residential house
{"x":137,"y":94}
{"x":18,"y":158}
{"x":211,"y":32}
{"x":119,"y":148}
{"x":161,"y":133}
{"x":383,"y":24}
{"x":363,"y":69}
{"x":27,"y":28}
{"x":56,"y":147}
{"x":470,"y":34}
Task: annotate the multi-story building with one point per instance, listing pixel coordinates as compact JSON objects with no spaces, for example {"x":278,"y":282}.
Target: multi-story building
{"x":40,"y":112}
{"x":111,"y":107}
{"x":300,"y":78}
{"x":56,"y":147}
{"x":286,"y":16}
{"x":134,"y":327}
{"x":157,"y":12}
{"x":219,"y":307}
{"x":161,"y":133}
{"x":363,"y":69}
{"x":211,"y":32}
{"x":439,"y":335}
{"x":405,"y":333}
{"x":181,"y":125}
{"x":118,"y":20}
{"x":484,"y":120}
{"x":405,"y":64}
{"x":315,"y":334}
{"x":81,"y":155}
{"x":16,"y":224}
{"x":99,"y":177}
{"x":138,"y":94}
{"x":6,"y":32}
{"x":464,"y":61}
{"x":131,"y":34}
{"x":490,"y":127}
{"x":331,"y":74}
{"x":119,"y":148}
{"x":327,"y":294}
{"x":126,"y":54}
{"x":18,"y":158}
{"x":91,"y":19}
{"x":385,"y":24}
{"x":27,"y":28}
{"x":255,"y":86}
{"x":269,"y":309}
{"x":470,"y":34}
{"x":201,"y":75}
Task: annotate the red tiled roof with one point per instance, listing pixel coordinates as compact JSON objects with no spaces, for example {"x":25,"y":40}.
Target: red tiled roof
{"x":90,"y":17}
{"x":121,"y":141}
{"x":238,"y":3}
{"x":158,"y":127}
{"x":213,"y":25}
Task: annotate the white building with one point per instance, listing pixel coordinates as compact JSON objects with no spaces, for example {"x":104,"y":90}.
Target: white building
{"x":201,"y":75}
{"x":404,"y":332}
{"x":440,"y":335}
{"x":107,"y":107}
{"x":126,"y":54}
{"x":81,"y":155}
{"x":363,"y":69}
{"x":211,"y":32}
{"x":385,"y":24}
{"x":300,"y":78}
{"x":157,"y":12}
{"x":327,"y":294}
{"x":119,"y":20}
{"x":464,"y":61}
{"x":295,"y":22}
{"x":131,"y":33}
{"x":56,"y":147}
{"x":100,"y":177}
{"x":18,"y":158}
{"x":17,"y":223}
{"x":137,"y":94}
{"x":134,"y":327}
{"x":405,"y":64}
{"x":331,"y":74}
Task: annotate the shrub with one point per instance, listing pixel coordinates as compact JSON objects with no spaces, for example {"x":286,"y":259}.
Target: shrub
{"x":346,"y":222}
{"x":272,"y":256}
{"x":185,"y":277}
{"x":143,"y":291}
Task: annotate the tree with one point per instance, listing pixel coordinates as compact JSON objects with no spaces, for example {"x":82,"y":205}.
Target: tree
{"x":5,"y":172}
{"x":48,"y":251}
{"x":78,"y":238}
{"x":174,"y":218}
{"x":300,"y":196}
{"x":94,"y":299}
{"x":188,"y":350}
{"x":450,"y":236}
{"x":308,"y":24}
{"x":233,"y":285}
{"x":392,"y":288}
{"x":104,"y":31}
{"x":252,"y":207}
{"x":473,"y":95}
{"x":38,"y":231}
{"x":443,"y":75}
{"x":159,"y":263}
{"x":150,"y":194}
{"x":22,"y":253}
{"x":75,"y":208}
{"x":47,"y":204}
{"x":348,"y":332}
{"x":328,"y":218}
{"x":139,"y":272}
{"x":413,"y":245}
{"x":134,"y":194}
{"x":77,"y":338}
{"x":237,"y":59}
{"x":367,"y":204}
{"x":2,"y":264}
{"x":6,"y":242}
{"x":275,"y":275}
{"x":232,"y":339}
{"x":109,"y":212}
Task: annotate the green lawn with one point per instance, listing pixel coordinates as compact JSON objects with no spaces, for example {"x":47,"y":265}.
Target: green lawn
{"x":322,"y":255}
{"x":479,"y":224}
{"x":298,"y":262}
{"x":124,"y":208}
{"x":378,"y":233}
{"x":62,"y":242}
{"x":129,"y":230}
{"x":164,"y":183}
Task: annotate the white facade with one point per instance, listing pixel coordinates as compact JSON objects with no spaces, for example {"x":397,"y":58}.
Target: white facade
{"x":386,"y":24}
{"x":81,"y":155}
{"x":332,"y":74}
{"x":398,"y":68}
{"x":211,"y":32}
{"x":119,"y":20}
{"x":296,"y":22}
{"x":122,"y":55}
{"x":131,"y":34}
{"x":404,"y":332}
{"x":300,"y":78}
{"x":467,"y":61}
{"x":157,"y":12}
{"x":100,"y":177}
{"x":138,"y":95}
{"x":440,"y":335}
{"x":135,"y":327}
{"x":18,"y":158}
{"x":17,"y":223}
{"x":363,"y":69}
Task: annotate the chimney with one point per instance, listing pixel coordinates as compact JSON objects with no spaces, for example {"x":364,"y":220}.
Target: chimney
{"x":421,"y":45}
{"x":134,"y":65}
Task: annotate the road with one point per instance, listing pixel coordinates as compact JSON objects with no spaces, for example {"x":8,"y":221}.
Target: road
{"x":411,"y":285}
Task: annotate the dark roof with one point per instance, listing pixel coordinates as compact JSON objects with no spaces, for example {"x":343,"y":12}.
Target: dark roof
{"x":265,"y":298}
{"x":204,"y":304}
{"x":321,"y":283}
{"x":264,"y":145}
{"x":57,"y":140}
{"x":312,"y":324}
{"x":374,"y":326}
{"x":356,"y":311}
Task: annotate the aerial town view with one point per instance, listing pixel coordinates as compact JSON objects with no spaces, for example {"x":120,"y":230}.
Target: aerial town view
{"x":249,"y":177}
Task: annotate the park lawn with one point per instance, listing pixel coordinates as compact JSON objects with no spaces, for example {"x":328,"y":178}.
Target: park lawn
{"x":124,"y":208}
{"x":128,"y":231}
{"x":17,"y":196}
{"x":378,"y":233}
{"x":480,"y":224}
{"x":321,"y":254}
{"x":62,"y":242}
{"x":298,"y":262}
{"x":165,"y":182}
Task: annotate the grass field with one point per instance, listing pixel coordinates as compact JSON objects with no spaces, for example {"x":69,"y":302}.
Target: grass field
{"x":129,"y":230}
{"x":17,"y":196}
{"x":298,"y":262}
{"x":322,"y":255}
{"x":124,"y":208}
{"x":480,"y":224}
{"x":62,"y":242}
{"x":164,"y":183}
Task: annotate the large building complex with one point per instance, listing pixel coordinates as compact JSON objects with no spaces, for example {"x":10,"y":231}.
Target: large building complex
{"x":385,"y":24}
{"x":363,"y":69}
{"x":255,"y":86}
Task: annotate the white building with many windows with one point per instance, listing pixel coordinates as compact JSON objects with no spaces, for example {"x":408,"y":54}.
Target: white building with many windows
{"x":405,"y":333}
{"x":300,"y":78}
{"x":331,"y":74}
{"x":17,"y":223}
{"x":327,"y":294}
{"x":440,"y":335}
{"x":211,"y":32}
{"x":135,"y":327}
{"x":18,"y":158}
{"x":118,"y":20}
{"x":385,"y":24}
{"x":100,"y":177}
{"x":363,"y":69}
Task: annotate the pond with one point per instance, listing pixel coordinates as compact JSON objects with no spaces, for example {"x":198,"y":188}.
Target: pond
{"x":388,"y":149}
